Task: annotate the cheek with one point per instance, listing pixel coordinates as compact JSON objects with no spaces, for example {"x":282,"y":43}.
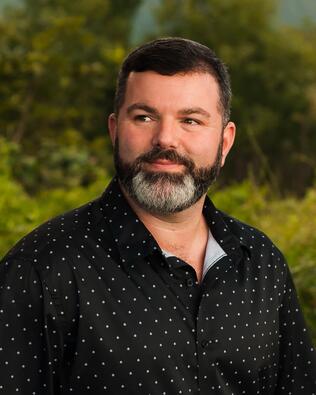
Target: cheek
{"x":204,"y":152}
{"x":132,"y":144}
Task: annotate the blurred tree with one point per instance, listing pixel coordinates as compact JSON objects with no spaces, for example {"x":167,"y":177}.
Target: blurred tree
{"x":16,"y":208}
{"x":19,"y":213}
{"x":58,"y":67}
{"x":273,"y":74}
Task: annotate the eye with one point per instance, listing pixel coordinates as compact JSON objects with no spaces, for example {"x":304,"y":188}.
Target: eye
{"x":191,"y":121}
{"x":142,"y":118}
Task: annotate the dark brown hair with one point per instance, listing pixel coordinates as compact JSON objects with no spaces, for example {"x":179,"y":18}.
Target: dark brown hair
{"x":169,"y":56}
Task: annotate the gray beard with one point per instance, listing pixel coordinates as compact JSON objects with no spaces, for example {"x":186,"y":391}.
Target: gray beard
{"x":165,"y":193}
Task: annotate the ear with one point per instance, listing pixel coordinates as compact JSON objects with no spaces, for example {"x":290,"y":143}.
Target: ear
{"x":112,"y":126}
{"x":228,"y":140}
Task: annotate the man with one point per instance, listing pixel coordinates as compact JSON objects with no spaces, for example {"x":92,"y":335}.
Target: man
{"x":150,"y":289}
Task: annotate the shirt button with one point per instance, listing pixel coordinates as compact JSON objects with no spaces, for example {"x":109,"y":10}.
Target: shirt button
{"x":190,"y":282}
{"x":204,"y":343}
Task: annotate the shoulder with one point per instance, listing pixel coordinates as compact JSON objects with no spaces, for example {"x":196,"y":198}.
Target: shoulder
{"x":248,"y":235}
{"x":60,"y":239}
{"x":261,"y":249}
{"x":264,"y":264}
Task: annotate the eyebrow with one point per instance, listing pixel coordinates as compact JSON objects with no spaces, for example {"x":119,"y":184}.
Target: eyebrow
{"x":141,"y":106}
{"x":195,"y":110}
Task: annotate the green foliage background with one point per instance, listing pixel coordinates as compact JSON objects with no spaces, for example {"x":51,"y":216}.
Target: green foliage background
{"x":58,"y":65}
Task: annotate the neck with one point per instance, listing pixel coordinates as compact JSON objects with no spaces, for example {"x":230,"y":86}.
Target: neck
{"x":184,"y":234}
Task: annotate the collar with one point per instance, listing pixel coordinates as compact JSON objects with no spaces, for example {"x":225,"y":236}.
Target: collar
{"x":130,"y":235}
{"x":222,"y":232}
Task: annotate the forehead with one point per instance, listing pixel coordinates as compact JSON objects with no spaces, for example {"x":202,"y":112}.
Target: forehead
{"x":178,"y":90}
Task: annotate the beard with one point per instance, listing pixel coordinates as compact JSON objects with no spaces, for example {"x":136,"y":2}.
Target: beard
{"x":165,"y":193}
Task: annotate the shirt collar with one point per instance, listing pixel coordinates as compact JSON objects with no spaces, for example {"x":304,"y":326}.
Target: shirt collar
{"x":133,"y":239}
{"x":219,"y":226}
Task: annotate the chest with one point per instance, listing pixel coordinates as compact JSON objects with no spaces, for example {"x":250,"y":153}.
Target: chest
{"x":157,"y":319}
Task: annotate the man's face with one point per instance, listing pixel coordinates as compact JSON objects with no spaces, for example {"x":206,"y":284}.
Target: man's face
{"x":169,"y":139}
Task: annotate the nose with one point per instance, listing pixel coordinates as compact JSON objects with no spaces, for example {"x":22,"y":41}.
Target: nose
{"x":165,"y":135}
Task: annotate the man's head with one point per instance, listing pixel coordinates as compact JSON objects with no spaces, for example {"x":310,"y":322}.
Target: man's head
{"x":175,"y":55}
{"x":170,"y":128}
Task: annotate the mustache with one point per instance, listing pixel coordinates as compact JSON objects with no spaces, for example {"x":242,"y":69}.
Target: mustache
{"x":157,"y":153}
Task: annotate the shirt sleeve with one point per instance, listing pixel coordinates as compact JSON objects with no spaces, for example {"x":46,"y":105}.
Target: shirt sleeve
{"x":30,"y":345}
{"x":297,"y":364}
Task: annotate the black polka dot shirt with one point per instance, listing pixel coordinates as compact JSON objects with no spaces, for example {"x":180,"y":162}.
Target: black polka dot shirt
{"x":89,"y":304}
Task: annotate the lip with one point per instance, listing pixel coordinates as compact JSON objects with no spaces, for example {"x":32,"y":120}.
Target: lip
{"x":164,"y":164}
